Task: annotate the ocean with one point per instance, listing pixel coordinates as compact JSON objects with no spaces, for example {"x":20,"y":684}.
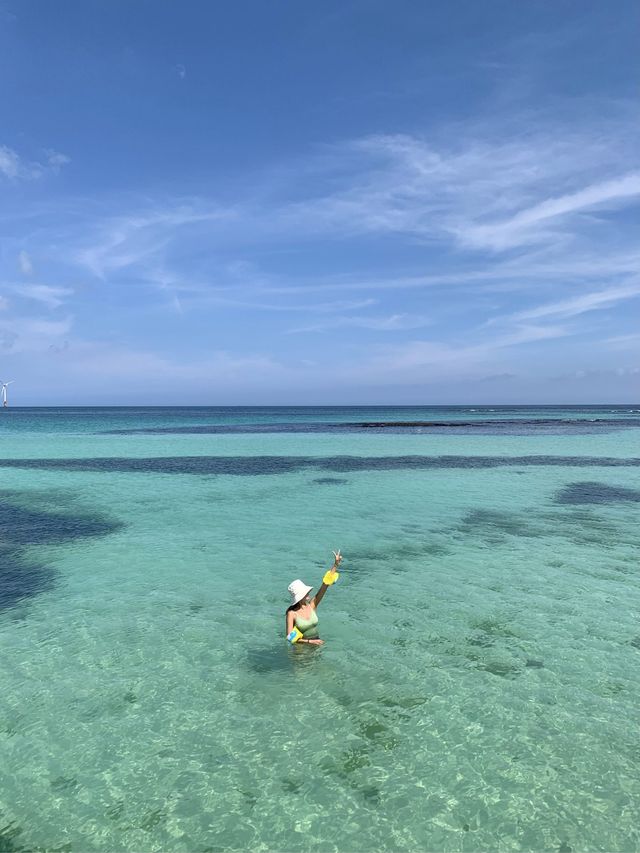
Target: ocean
{"x":478,"y":687}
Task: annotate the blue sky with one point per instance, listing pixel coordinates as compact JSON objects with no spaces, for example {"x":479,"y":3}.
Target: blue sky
{"x":338,"y":202}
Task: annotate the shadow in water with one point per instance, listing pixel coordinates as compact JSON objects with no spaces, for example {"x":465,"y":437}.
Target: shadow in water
{"x":254,"y":466}
{"x":26,"y":521}
{"x":596,"y":493}
{"x":282,"y":657}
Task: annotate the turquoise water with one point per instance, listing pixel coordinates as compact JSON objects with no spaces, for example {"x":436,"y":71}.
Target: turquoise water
{"x":478,"y":686}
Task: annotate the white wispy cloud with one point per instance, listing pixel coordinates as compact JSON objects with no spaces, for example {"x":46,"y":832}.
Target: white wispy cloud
{"x":520,"y":228}
{"x":15,"y":167}
{"x":278,"y":306}
{"x":139,"y":239}
{"x":24,"y":262}
{"x":630,"y":341}
{"x":32,"y":334}
{"x":430,"y":361}
{"x":472,"y":194}
{"x":381,"y":323}
{"x":52,"y":297}
{"x":145,"y":369}
{"x":55,"y":159}
{"x":10,"y":165}
{"x":485,"y":222}
{"x":480,"y":187}
{"x":593,"y":301}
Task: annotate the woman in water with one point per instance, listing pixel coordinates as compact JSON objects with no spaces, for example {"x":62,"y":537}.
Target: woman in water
{"x":301,"y":613}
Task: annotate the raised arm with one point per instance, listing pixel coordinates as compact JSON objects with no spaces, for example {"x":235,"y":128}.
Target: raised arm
{"x":325,"y":586}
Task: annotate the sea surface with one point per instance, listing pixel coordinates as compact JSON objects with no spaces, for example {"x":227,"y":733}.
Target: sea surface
{"x":479,"y":684}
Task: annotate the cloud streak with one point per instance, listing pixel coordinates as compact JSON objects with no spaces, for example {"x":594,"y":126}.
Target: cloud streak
{"x":575,"y":306}
{"x":24,"y":262}
{"x":16,"y":168}
{"x":388,"y":323}
{"x":32,"y":334}
{"x":471,"y":239}
{"x":519,"y":229}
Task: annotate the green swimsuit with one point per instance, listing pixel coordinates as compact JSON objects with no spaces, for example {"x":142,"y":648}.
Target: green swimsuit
{"x":308,"y":627}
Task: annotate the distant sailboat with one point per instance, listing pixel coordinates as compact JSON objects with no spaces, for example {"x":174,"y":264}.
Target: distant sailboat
{"x":4,"y":386}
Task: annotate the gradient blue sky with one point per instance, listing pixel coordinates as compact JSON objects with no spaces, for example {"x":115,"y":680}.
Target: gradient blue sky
{"x":336,"y":202}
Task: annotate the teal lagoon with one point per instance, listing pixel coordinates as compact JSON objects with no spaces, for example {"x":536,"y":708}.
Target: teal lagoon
{"x":478,"y":687}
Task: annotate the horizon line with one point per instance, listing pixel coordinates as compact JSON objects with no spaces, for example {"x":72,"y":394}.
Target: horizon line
{"x":315,"y":405}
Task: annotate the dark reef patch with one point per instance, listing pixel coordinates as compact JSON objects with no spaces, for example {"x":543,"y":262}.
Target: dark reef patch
{"x":596,"y":493}
{"x":584,"y":527}
{"x":23,"y":525}
{"x":494,"y":626}
{"x":465,"y":426}
{"x":499,"y":523}
{"x":364,"y":560}
{"x":432,"y":549}
{"x":65,"y":784}
{"x":495,"y":528}
{"x":9,"y":838}
{"x":225,"y":429}
{"x":21,"y":578}
{"x":27,"y":520}
{"x":483,"y":641}
{"x":501,"y":668}
{"x":510,"y":426}
{"x":330,"y":481}
{"x":251,"y":466}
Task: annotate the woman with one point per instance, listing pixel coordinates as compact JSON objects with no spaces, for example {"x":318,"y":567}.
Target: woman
{"x":301,"y":614}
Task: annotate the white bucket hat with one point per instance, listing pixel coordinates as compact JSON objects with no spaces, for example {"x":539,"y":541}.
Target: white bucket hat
{"x":298,"y":591}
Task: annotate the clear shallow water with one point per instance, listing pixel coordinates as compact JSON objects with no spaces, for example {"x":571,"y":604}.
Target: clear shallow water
{"x":478,"y":687}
